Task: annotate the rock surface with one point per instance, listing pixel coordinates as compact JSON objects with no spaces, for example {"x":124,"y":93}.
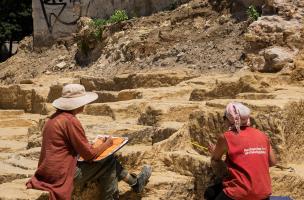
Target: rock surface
{"x":161,"y":126}
{"x":275,"y":39}
{"x":163,"y":81}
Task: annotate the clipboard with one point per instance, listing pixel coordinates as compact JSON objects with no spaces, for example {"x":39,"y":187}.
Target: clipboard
{"x":118,"y":143}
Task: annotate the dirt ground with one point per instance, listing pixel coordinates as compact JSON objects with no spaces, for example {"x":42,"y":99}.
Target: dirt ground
{"x":194,"y":36}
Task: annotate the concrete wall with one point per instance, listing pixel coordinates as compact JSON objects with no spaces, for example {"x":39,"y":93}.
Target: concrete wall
{"x":55,"y":19}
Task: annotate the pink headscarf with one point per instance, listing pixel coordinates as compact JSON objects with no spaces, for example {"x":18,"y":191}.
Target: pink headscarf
{"x":238,"y":115}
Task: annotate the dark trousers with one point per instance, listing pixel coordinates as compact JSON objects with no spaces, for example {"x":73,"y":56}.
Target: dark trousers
{"x":215,"y":192}
{"x":107,"y":173}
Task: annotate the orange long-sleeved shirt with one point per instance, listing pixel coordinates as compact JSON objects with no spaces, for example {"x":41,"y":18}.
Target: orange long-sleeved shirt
{"x":63,"y":138}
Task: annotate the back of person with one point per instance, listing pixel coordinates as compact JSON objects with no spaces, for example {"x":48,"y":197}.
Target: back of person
{"x":248,"y":165}
{"x":52,"y":174}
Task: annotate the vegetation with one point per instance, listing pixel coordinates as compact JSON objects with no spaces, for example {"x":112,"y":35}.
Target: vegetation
{"x":97,"y":27}
{"x":98,"y":24}
{"x":118,"y":16}
{"x":253,"y":13}
{"x":15,"y":20}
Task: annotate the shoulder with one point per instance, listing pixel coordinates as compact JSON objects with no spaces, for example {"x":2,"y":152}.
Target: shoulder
{"x":73,"y":120}
{"x":258,"y":133}
{"x":66,"y":118}
{"x":255,"y":130}
{"x":228,"y":133}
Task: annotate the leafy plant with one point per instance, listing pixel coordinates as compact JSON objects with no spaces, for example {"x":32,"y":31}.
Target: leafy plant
{"x":98,"y":24}
{"x":96,"y":29}
{"x":253,"y":13}
{"x":118,"y":16}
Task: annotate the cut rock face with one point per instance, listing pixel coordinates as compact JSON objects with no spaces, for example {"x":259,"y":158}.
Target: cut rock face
{"x":14,"y":97}
{"x":293,"y":130}
{"x":133,"y":81}
{"x":227,"y":90}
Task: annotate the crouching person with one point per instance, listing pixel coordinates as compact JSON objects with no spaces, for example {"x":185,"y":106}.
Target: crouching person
{"x":64,"y":139}
{"x":248,"y":157}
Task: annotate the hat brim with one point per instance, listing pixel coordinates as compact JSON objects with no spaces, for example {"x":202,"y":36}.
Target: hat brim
{"x":73,"y":103}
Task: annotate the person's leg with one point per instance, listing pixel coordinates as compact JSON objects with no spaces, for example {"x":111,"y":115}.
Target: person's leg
{"x":213,"y":191}
{"x":142,"y":179}
{"x":223,"y":196}
{"x":108,"y":172}
{"x":103,"y":172}
{"x":136,"y":182}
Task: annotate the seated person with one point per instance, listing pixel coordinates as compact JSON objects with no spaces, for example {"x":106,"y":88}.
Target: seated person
{"x":248,"y":157}
{"x":63,"y":140}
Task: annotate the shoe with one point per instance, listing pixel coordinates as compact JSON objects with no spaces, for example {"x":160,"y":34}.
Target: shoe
{"x":142,"y":179}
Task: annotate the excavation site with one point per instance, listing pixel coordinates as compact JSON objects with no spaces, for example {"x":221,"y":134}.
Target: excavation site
{"x":164,"y":72}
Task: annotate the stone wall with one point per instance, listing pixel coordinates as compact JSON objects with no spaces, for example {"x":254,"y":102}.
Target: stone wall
{"x":54,"y":19}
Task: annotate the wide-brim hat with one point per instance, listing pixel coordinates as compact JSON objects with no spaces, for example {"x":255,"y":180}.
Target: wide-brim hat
{"x":74,"y":96}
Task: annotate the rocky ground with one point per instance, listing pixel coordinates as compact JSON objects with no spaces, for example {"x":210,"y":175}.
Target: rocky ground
{"x":161,"y":113}
{"x":163,"y":81}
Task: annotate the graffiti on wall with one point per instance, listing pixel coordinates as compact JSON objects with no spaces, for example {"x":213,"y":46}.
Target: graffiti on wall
{"x":54,"y":12}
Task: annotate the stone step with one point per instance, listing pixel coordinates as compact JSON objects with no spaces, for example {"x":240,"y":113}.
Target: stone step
{"x":22,"y":162}
{"x":174,"y":93}
{"x":137,"y":134}
{"x":21,"y":97}
{"x":12,"y":146}
{"x":32,"y":97}
{"x":162,"y":186}
{"x":6,"y":123}
{"x":16,"y":190}
{"x":9,"y":172}
{"x":5,"y":156}
{"x":32,"y":153}
{"x":270,"y":105}
{"x":117,"y":110}
{"x":4,"y":114}
{"x":133,"y":81}
{"x":13,"y":133}
{"x":255,"y":96}
{"x":286,"y":183}
{"x":157,"y":112}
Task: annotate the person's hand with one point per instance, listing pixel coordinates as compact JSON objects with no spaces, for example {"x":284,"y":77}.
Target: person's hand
{"x":211,"y":148}
{"x":108,"y":141}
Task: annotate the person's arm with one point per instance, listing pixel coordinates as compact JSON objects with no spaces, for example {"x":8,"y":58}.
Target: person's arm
{"x":81,"y":144}
{"x":218,"y":150}
{"x":100,"y":148}
{"x":272,"y":157}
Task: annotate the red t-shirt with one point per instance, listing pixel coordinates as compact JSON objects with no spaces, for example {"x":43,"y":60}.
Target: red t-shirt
{"x":63,"y":138}
{"x":248,"y":165}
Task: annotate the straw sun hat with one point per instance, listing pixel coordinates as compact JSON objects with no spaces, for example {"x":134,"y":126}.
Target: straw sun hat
{"x":74,"y":96}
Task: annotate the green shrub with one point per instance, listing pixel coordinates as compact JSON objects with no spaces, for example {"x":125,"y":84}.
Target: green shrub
{"x":98,"y":24}
{"x":253,"y":13}
{"x":96,"y":29}
{"x":118,"y":16}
